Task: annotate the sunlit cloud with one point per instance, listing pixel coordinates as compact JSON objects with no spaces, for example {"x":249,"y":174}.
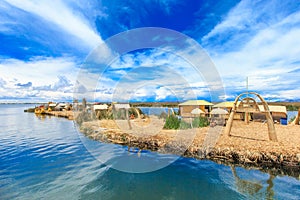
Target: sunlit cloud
{"x":43,"y":78}
{"x":266,"y":50}
{"x":58,"y":13}
{"x":150,"y":75}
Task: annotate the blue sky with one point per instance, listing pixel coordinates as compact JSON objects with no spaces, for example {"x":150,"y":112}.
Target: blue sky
{"x":44,"y":45}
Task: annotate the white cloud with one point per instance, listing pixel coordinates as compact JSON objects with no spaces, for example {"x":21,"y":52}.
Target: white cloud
{"x":44,"y":78}
{"x":266,"y":54}
{"x":264,"y":45}
{"x":58,"y":13}
{"x":38,"y":70}
{"x":151,"y":75}
{"x":248,"y":17}
{"x":237,"y":18}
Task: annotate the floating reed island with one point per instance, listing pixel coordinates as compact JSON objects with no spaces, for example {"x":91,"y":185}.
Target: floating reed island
{"x":53,"y":109}
{"x":245,"y":132}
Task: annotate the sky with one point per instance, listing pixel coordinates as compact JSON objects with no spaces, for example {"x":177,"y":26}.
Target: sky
{"x":47,"y":47}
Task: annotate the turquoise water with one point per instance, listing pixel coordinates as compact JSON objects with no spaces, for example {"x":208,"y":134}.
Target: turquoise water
{"x":46,"y":158}
{"x":156,"y":110}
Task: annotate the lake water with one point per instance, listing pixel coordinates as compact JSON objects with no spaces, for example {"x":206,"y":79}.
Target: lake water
{"x":157,"y":110}
{"x":46,"y":158}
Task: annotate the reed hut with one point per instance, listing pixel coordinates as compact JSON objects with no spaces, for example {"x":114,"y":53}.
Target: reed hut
{"x":100,"y":107}
{"x":121,"y":110}
{"x":186,"y":108}
{"x":101,"y":111}
{"x":228,"y":105}
{"x":197,"y":112}
{"x":279,"y":114}
{"x":52,"y":105}
{"x":218,"y":116}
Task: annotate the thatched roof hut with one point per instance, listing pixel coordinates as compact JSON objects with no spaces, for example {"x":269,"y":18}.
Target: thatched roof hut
{"x":100,"y":107}
{"x":278,"y":112}
{"x":118,"y":106}
{"x":186,"y":108}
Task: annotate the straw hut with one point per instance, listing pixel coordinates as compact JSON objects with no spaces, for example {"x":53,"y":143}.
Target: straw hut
{"x":118,"y":106}
{"x":100,"y":107}
{"x":279,"y":113}
{"x":197,"y":112}
{"x":218,"y":116}
{"x":228,"y":105}
{"x":60,"y":106}
{"x":121,"y":110}
{"x":219,"y":111}
{"x":52,"y":105}
{"x":101,"y":111}
{"x":186,"y":108}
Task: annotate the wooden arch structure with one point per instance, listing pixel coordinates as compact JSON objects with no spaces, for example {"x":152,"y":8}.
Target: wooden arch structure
{"x":248,"y":104}
{"x":297,"y":119}
{"x":137,"y":112}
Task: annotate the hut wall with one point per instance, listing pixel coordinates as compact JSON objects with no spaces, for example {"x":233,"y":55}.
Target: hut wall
{"x":277,"y":116}
{"x":259,"y":117}
{"x":186,"y":110}
{"x":262,"y":117}
{"x":202,"y":108}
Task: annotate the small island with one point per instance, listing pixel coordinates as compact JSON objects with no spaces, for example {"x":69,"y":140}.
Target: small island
{"x":243,"y":133}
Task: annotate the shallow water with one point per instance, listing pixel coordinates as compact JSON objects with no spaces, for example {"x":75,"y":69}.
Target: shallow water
{"x":46,"y":158}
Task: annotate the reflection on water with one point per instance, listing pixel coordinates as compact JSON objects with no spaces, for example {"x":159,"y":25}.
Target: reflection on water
{"x":254,"y":187}
{"x":42,"y":117}
{"x":43,"y":158}
{"x":270,"y":192}
{"x":244,"y":186}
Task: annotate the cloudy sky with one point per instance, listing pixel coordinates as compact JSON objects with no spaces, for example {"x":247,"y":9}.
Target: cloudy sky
{"x":46,"y":47}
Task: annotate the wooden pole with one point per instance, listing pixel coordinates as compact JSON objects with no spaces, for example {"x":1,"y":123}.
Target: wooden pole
{"x":296,"y":120}
{"x":230,"y":119}
{"x":127,"y":117}
{"x":138,"y":113}
{"x":246,"y":118}
{"x":270,"y":123}
{"x":247,"y":89}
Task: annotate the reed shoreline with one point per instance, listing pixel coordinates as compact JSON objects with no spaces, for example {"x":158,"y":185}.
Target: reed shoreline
{"x":281,"y":157}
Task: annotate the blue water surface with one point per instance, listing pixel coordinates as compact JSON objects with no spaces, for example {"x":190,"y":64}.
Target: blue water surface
{"x":46,"y":158}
